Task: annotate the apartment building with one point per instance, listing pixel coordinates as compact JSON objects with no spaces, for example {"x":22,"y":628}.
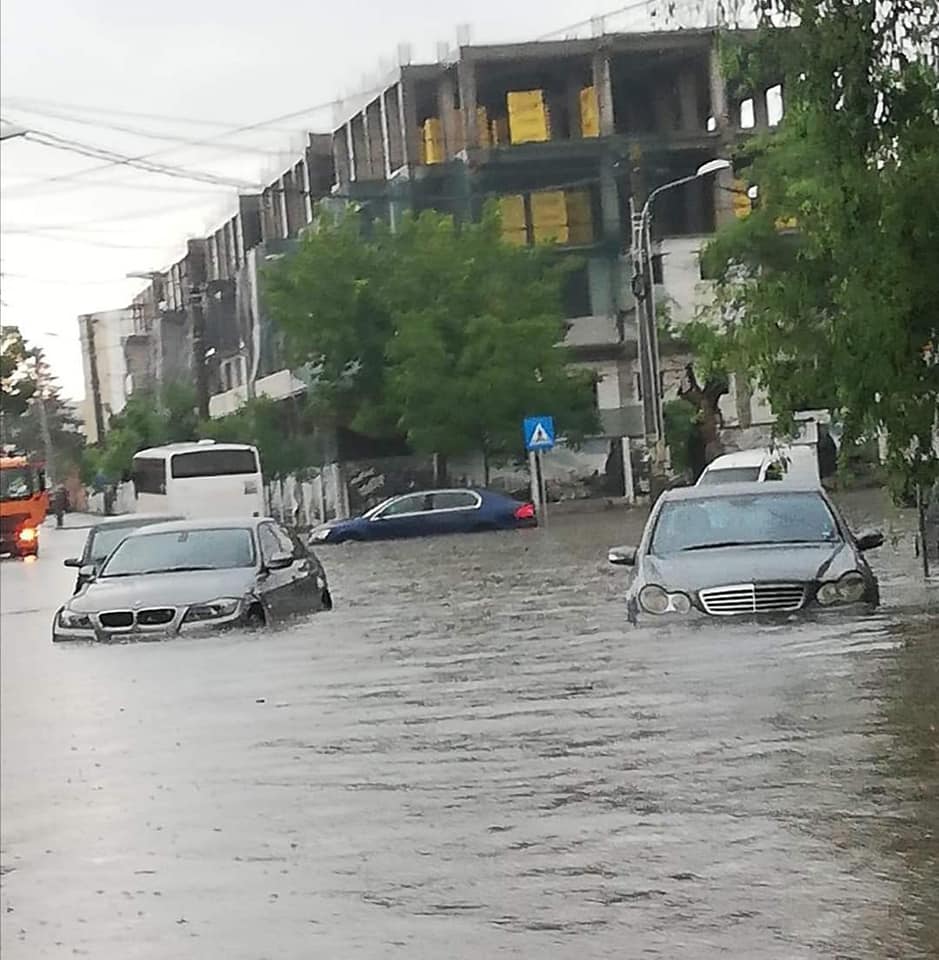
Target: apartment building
{"x":566,"y":136}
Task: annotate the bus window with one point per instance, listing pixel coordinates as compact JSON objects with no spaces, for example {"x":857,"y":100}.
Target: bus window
{"x":149,"y":475}
{"x":213,"y":463}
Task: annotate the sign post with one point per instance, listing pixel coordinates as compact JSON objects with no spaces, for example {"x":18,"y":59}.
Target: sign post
{"x":539,"y":437}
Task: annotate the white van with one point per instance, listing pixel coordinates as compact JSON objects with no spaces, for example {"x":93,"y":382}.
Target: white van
{"x":197,"y":480}
{"x":797,"y":464}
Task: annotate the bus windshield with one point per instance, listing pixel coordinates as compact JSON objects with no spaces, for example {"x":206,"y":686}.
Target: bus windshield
{"x":16,"y":483}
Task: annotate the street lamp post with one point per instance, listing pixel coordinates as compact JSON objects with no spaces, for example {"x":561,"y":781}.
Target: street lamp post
{"x":12,"y":130}
{"x":643,"y":286}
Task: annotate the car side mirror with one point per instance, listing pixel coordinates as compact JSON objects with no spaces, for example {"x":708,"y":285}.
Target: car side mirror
{"x":280,"y":561}
{"x":870,"y":540}
{"x":622,"y":556}
{"x":88,"y":572}
{"x":73,"y":562}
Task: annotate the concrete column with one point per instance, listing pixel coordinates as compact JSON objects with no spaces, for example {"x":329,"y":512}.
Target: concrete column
{"x":572,"y":90}
{"x":688,"y":101}
{"x":611,"y":214}
{"x":373,"y":137}
{"x":760,"y":112}
{"x":343,"y":160}
{"x":719,"y":107}
{"x":393,"y":117}
{"x":603,"y":84}
{"x":466,"y":74}
{"x":449,"y":118}
{"x":385,"y":135}
{"x":410,"y":131}
{"x":360,"y":157}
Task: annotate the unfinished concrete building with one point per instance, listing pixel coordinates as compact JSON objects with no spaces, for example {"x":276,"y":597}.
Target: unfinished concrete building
{"x":563,"y":135}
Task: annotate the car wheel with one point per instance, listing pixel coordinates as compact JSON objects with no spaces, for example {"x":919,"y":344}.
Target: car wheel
{"x":255,"y":618}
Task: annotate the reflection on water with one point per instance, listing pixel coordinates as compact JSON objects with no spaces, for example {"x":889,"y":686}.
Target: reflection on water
{"x":476,"y":756}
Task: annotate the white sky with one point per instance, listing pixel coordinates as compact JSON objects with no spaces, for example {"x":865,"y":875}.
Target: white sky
{"x":221,"y":63}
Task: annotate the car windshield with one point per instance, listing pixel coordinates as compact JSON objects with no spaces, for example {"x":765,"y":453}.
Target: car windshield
{"x":16,"y":483}
{"x":182,"y":550}
{"x":730,"y":475}
{"x":741,"y":520}
{"x":104,"y":541}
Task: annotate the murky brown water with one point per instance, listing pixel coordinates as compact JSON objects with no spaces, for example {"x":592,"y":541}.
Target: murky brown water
{"x":476,"y":756}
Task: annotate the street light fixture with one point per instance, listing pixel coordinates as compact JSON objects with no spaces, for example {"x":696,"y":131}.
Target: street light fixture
{"x":644,"y":292}
{"x":12,"y":130}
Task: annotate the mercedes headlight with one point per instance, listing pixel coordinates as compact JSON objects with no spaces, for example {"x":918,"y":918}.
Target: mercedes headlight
{"x":849,"y":589}
{"x":214,"y":610}
{"x":69,"y":620}
{"x":654,"y":599}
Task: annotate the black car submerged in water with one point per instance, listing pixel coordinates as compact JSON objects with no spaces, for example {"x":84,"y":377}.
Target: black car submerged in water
{"x":747,"y":549}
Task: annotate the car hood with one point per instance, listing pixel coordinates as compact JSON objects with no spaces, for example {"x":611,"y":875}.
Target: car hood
{"x":163,"y":589}
{"x":698,"y":569}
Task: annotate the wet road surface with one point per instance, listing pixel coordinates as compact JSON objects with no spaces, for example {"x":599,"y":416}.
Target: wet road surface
{"x":474,"y":757}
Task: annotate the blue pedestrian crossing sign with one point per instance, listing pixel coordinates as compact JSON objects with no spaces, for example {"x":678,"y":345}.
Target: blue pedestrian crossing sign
{"x":539,"y":433}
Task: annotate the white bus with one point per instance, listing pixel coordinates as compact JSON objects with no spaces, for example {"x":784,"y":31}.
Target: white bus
{"x":196,"y":480}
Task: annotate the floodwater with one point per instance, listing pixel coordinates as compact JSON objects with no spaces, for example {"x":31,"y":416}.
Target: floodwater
{"x":475,"y":756}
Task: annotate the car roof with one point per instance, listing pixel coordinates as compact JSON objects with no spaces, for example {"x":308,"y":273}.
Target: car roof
{"x":740,"y":458}
{"x":133,"y":520}
{"x":209,"y":523}
{"x":752,"y":489}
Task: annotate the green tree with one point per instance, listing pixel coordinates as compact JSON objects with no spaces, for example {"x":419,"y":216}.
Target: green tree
{"x":146,"y":421}
{"x":438,"y":332}
{"x":17,"y":384}
{"x":284,"y":449}
{"x":827,"y":292}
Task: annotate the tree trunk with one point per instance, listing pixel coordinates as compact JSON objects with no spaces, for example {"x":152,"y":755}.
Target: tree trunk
{"x":706,"y":399}
{"x":485,"y":467}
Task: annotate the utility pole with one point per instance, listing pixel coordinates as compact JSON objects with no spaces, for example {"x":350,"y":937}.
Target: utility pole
{"x":95,"y":381}
{"x":40,"y":368}
{"x":197,"y":306}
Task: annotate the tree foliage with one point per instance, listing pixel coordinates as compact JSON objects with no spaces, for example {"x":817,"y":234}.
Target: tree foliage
{"x":260,"y":422}
{"x":841,"y":311}
{"x":17,"y":383}
{"x":147,"y":420}
{"x":437,"y":332}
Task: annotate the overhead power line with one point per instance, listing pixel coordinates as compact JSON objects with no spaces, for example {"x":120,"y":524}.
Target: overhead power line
{"x":137,"y":132}
{"x":120,"y":159}
{"x":212,"y":141}
{"x":24,"y":103}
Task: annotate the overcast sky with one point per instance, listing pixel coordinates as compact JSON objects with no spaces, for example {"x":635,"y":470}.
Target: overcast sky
{"x":68,"y":242}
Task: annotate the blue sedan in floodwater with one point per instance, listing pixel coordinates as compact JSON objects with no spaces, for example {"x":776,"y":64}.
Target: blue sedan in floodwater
{"x":431,"y":512}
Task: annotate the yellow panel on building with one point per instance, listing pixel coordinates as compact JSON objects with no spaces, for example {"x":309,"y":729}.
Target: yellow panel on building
{"x":589,"y":113}
{"x":579,"y":217}
{"x":512,"y":209}
{"x":742,"y":204}
{"x":434,"y":151}
{"x":549,"y":216}
{"x":528,"y":116}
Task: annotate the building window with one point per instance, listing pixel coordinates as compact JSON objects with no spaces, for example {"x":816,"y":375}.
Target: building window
{"x":575,"y":294}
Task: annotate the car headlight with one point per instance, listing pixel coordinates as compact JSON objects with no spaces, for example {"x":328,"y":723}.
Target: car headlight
{"x":69,"y":620}
{"x":214,"y":610}
{"x":849,"y":589}
{"x":321,"y":535}
{"x":654,"y":599}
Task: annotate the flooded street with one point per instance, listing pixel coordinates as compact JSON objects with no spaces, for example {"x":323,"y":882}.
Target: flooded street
{"x":475,"y":756}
